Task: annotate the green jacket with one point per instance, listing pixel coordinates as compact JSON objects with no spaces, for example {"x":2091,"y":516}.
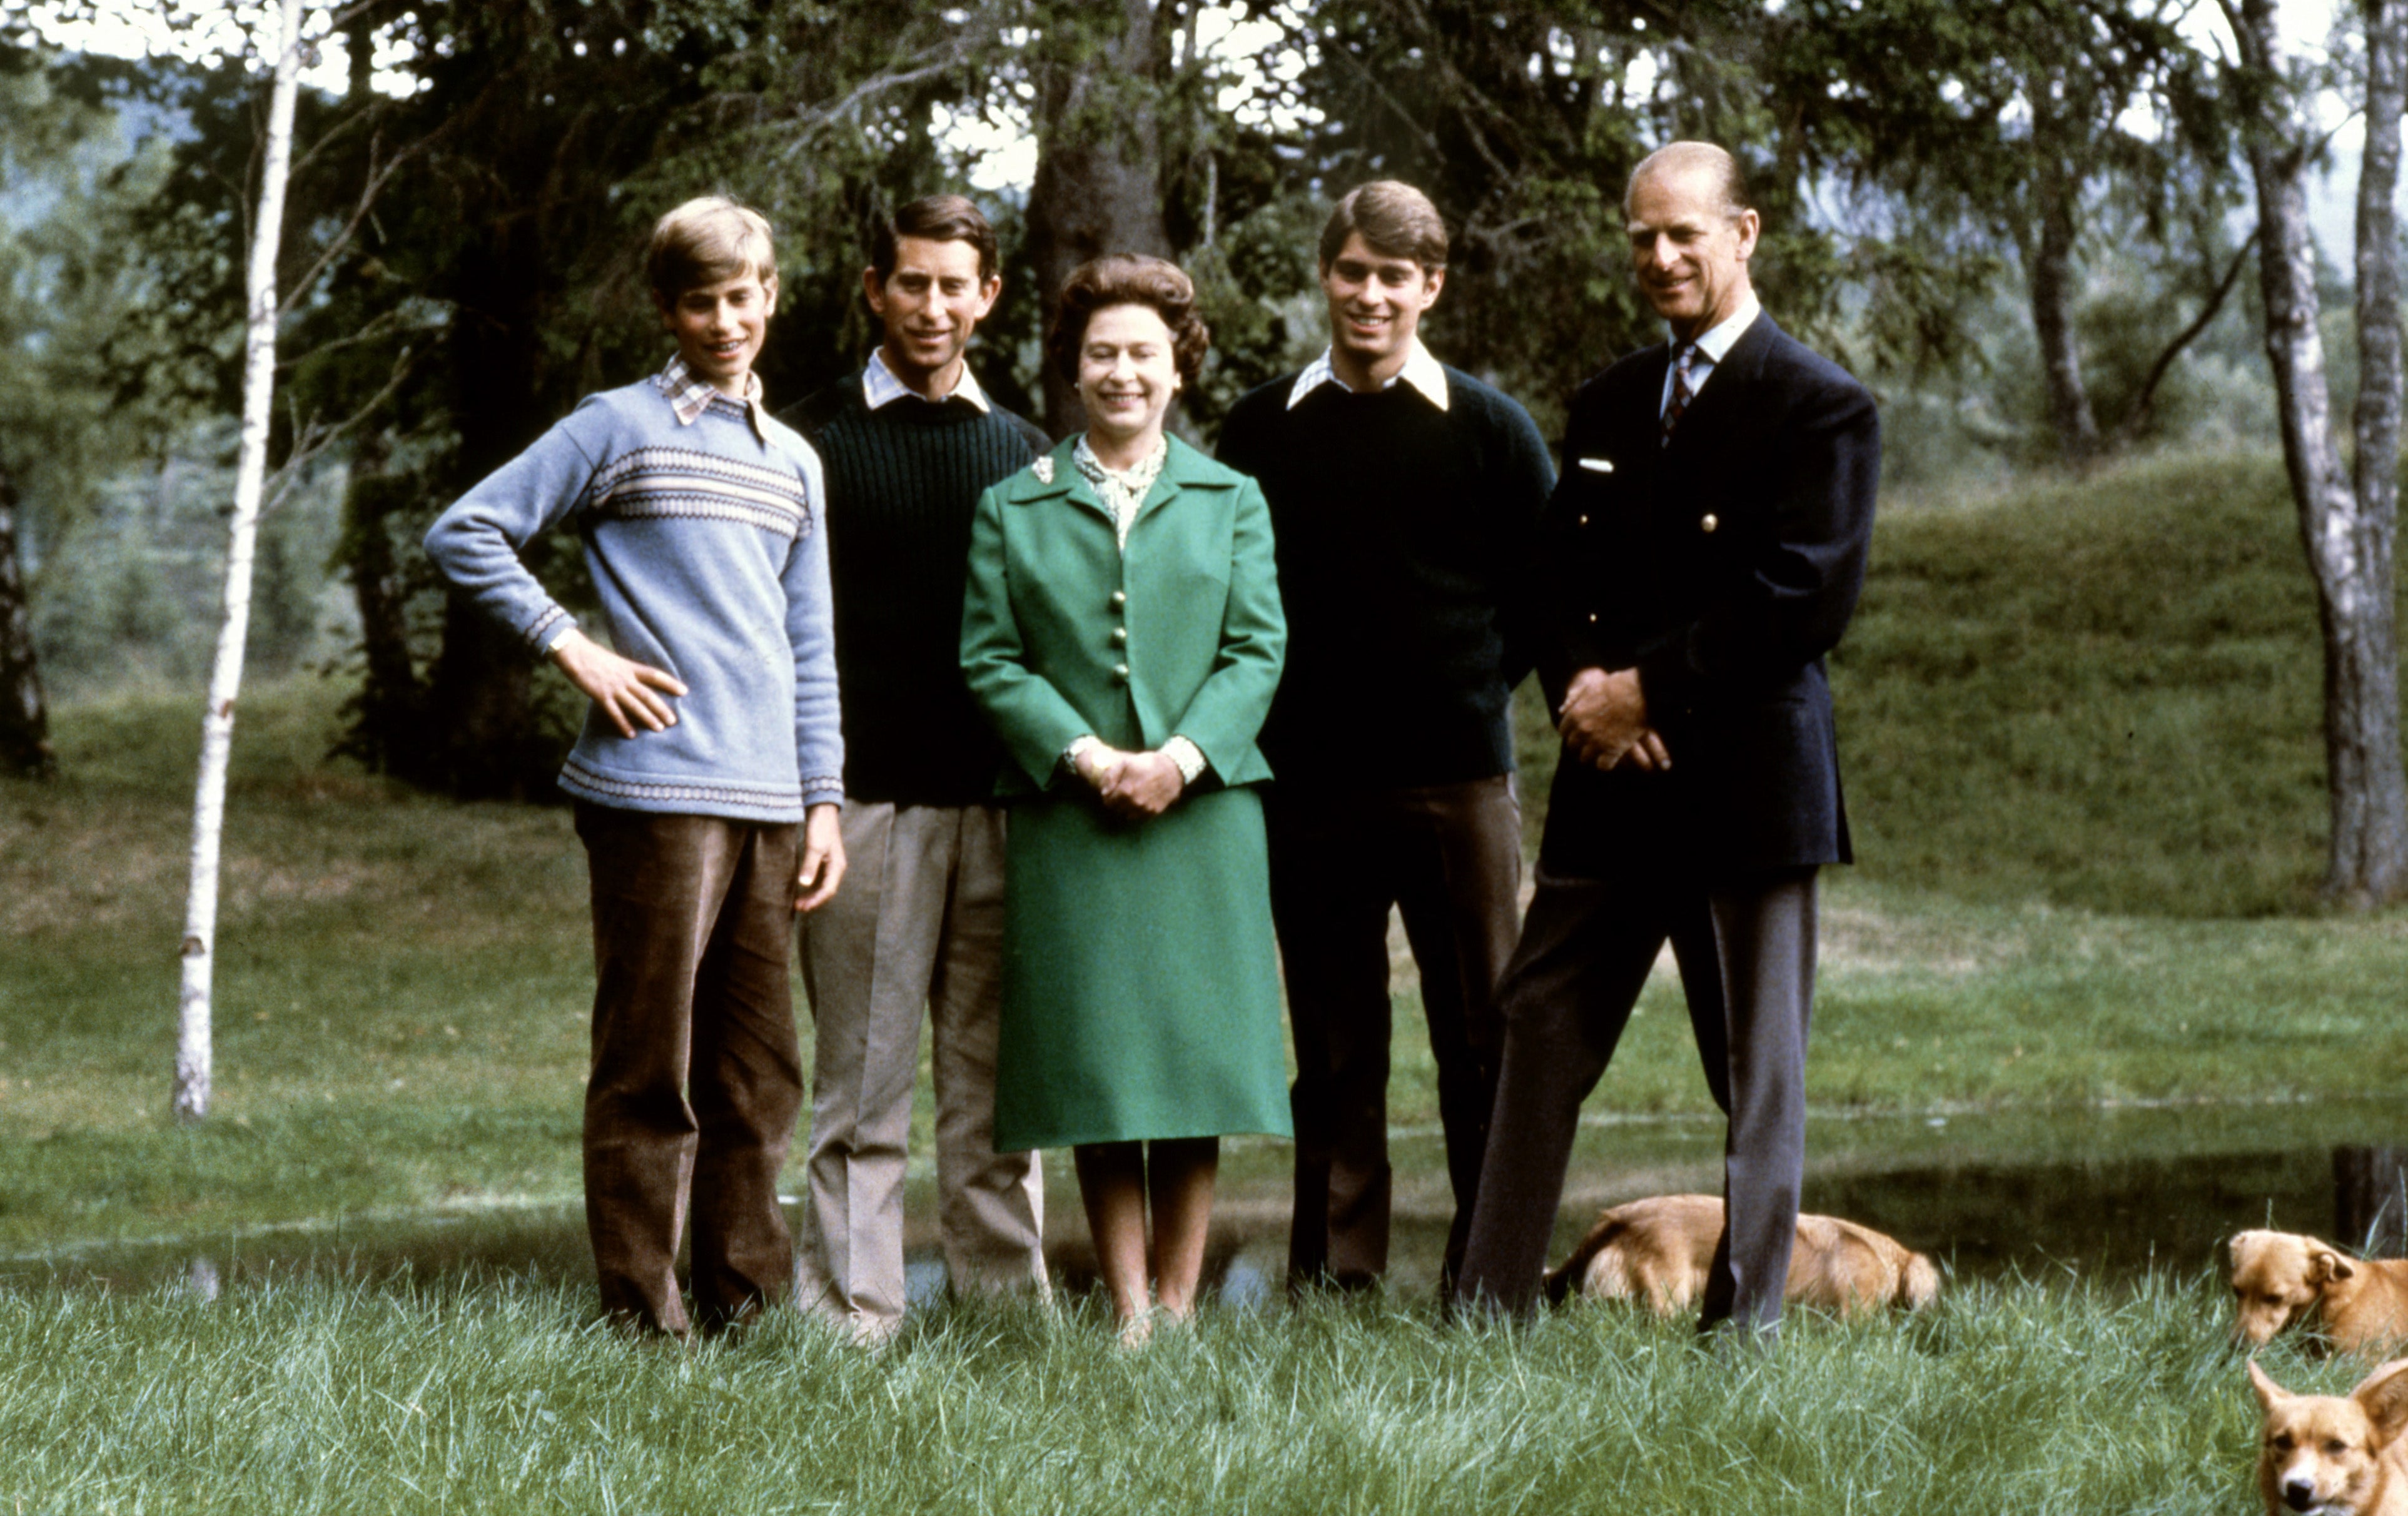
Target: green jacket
{"x":1065,"y":634}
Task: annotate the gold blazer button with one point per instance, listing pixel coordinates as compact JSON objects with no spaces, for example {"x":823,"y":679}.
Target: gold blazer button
{"x":1120,"y":598}
{"x":1119,"y":671}
{"x":1120,"y":634}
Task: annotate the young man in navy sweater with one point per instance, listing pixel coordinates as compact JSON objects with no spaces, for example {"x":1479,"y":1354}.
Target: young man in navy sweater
{"x":1404,"y":495}
{"x":707,"y":779}
{"x":909,"y":442}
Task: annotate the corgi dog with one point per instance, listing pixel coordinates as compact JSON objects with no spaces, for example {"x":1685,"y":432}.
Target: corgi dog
{"x":2335,"y":1454}
{"x":1657,"y":1251}
{"x":2283,"y":1277}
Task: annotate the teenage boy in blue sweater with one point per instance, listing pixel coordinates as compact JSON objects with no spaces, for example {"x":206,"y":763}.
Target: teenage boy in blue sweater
{"x":707,"y":779}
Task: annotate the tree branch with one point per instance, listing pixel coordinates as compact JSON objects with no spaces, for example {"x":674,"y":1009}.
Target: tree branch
{"x":2137,"y":415}
{"x":310,"y":438}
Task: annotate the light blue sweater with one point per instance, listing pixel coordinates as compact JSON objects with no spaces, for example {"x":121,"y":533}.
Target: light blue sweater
{"x":706,"y":545}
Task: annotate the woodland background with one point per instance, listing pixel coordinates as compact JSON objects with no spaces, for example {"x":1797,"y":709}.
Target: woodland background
{"x":2027,"y":226}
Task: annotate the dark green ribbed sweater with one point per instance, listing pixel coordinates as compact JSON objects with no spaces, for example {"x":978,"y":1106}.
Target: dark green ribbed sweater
{"x":1404,"y":535}
{"x":903,"y":481}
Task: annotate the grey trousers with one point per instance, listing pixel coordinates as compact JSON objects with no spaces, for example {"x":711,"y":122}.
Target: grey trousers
{"x":917,"y":929}
{"x":1747,"y":951}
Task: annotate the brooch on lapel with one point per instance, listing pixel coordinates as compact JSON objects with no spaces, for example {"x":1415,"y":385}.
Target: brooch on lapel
{"x":1043,"y":469}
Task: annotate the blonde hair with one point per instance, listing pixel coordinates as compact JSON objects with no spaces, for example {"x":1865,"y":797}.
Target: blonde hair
{"x":705,"y":240}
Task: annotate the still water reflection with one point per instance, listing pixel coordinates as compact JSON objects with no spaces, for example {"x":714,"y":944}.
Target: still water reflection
{"x":2101,"y":1193}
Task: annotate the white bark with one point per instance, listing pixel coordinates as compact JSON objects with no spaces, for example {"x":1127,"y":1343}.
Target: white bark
{"x":192,"y":1048}
{"x":2345,"y":524}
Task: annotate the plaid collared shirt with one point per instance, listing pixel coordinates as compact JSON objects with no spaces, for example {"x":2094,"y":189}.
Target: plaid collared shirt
{"x":690,"y":396}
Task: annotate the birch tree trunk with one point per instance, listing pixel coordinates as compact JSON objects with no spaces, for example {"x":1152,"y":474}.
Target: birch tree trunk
{"x":2369,"y":859}
{"x":2345,"y":524}
{"x":25,"y":713}
{"x":192,"y":1052}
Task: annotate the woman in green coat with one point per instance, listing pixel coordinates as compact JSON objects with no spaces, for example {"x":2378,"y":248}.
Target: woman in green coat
{"x":1123,"y":631}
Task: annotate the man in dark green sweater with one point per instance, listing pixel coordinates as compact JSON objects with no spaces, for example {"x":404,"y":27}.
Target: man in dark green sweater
{"x":1404,"y":495}
{"x":908,"y":444}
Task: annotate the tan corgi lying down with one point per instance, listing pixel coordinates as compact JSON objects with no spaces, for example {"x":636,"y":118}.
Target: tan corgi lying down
{"x":2283,"y":1277}
{"x":1658,"y":1251}
{"x":2335,"y":1454}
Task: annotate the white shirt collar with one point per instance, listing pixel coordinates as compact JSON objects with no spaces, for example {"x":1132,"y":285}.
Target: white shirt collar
{"x":1423,"y":371}
{"x":880,"y":387}
{"x":1712,"y":347}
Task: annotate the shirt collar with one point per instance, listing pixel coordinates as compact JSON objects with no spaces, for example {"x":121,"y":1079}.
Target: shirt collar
{"x":1423,"y":371}
{"x":1714,"y":344}
{"x":688,"y":396}
{"x":880,"y":387}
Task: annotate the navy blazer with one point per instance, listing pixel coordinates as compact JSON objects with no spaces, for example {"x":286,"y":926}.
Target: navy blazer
{"x":1723,"y":568}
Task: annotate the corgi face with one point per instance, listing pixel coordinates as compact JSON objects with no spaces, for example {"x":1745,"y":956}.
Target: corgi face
{"x":2317,"y":1454}
{"x":2323,"y":1456}
{"x":2277,"y":1277}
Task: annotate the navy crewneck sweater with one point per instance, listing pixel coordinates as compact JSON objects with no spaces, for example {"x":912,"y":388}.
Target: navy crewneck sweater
{"x":1404,"y":538}
{"x":903,"y":483}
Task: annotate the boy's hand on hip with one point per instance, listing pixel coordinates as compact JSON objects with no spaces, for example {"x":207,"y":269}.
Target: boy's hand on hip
{"x":822,"y":864}
{"x":628,"y":692}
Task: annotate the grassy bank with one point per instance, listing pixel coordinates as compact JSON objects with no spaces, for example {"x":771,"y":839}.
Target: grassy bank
{"x":2104,"y":693}
{"x":498,"y":1397}
{"x":2081,"y":742}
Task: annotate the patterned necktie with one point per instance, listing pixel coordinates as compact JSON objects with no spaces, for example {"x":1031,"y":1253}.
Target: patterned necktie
{"x":1681,"y":391}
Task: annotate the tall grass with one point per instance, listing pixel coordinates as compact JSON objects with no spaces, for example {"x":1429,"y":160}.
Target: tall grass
{"x":499,"y":1397}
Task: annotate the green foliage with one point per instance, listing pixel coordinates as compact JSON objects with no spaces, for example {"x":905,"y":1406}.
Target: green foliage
{"x":71,"y":190}
{"x":495,"y":1394}
{"x":133,"y":588}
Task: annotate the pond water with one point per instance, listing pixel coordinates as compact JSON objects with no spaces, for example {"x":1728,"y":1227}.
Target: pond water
{"x":2100,"y":1194}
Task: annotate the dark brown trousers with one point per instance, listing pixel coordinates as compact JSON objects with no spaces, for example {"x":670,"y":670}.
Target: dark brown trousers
{"x":1746,"y":951}
{"x":697,"y":1076}
{"x":1449,"y":858}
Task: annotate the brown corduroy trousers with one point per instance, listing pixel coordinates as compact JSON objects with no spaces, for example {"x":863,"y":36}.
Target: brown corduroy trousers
{"x":696,"y":1074}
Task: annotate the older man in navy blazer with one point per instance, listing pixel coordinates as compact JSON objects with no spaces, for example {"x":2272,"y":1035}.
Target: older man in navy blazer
{"x":1702,"y":552}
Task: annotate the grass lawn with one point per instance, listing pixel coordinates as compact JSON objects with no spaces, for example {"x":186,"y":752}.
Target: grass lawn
{"x":2080,"y":727}
{"x":497,"y":1397}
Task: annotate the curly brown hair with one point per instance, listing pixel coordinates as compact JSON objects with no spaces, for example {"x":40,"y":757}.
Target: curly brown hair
{"x":1127,"y":279}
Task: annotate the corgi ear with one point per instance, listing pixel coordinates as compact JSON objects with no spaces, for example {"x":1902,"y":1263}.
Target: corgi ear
{"x":2270,"y":1393}
{"x":2384,"y":1396}
{"x":2325,"y":1266}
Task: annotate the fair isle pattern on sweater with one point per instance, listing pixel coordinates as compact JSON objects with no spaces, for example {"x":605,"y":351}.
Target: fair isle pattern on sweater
{"x":653,"y":483}
{"x":654,"y":795}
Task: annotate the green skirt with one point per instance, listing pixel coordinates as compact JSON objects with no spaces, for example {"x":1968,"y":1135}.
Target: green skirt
{"x":1140,"y":989}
